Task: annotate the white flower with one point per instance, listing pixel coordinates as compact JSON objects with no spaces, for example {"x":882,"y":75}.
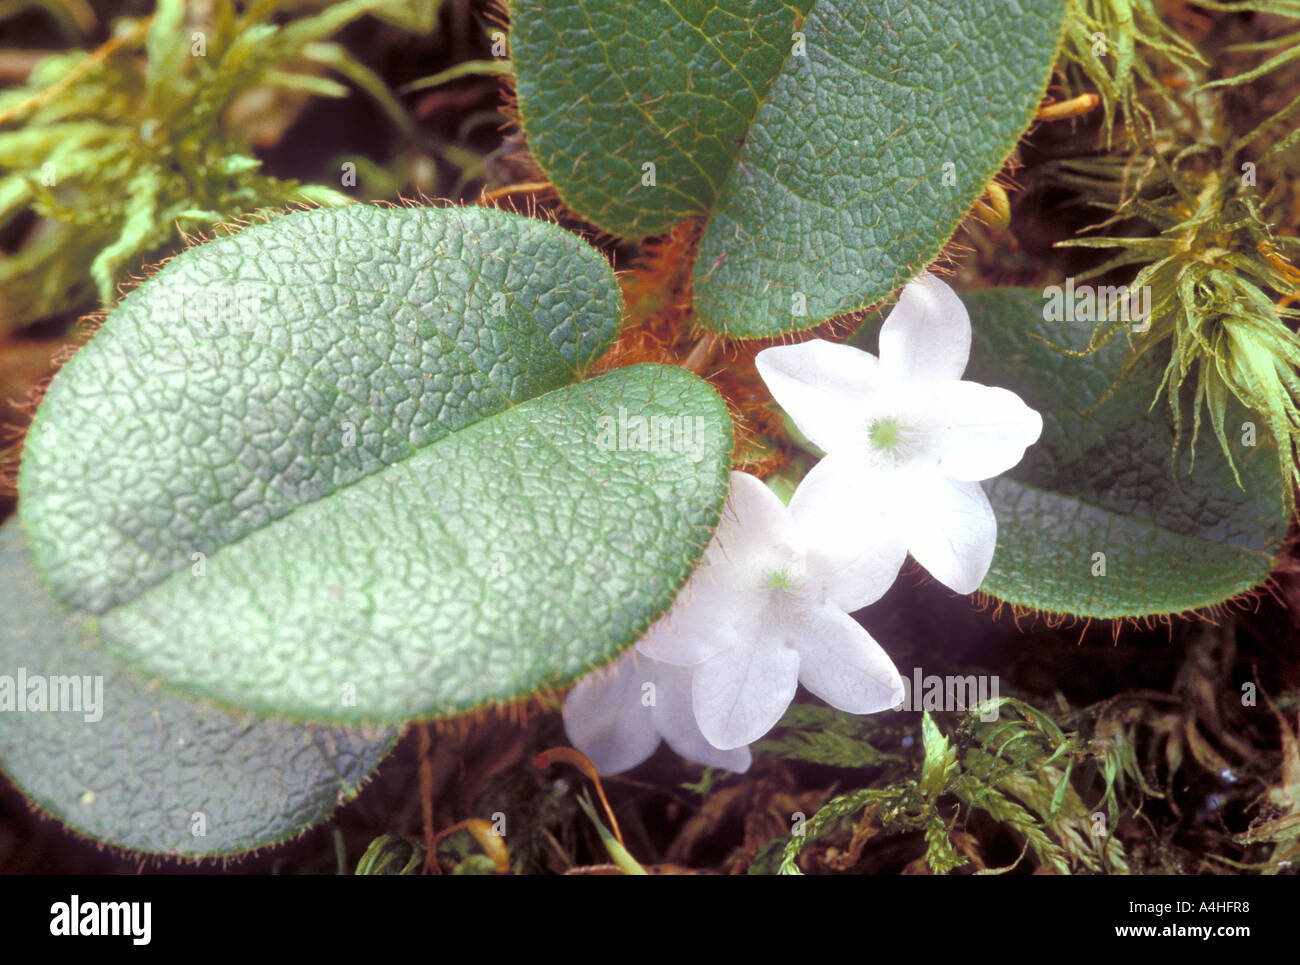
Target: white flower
{"x":765,"y":611}
{"x":906,"y":440}
{"x":618,"y":715}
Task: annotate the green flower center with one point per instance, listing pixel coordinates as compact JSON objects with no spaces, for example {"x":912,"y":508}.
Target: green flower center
{"x":884,"y":435}
{"x":781,"y":580}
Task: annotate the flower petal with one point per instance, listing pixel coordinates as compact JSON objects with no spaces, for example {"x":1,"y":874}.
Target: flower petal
{"x":854,"y":551}
{"x":756,"y":534}
{"x":740,"y":694}
{"x":926,"y":338}
{"x":702,"y":622}
{"x":824,"y":387}
{"x":753,"y":522}
{"x":674,"y":716}
{"x":951,"y":530}
{"x":605,"y":718}
{"x":841,"y":663}
{"x":981,"y":431}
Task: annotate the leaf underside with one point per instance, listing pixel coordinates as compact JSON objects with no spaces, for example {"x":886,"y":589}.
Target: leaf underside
{"x":155,"y":772}
{"x":1174,"y":537}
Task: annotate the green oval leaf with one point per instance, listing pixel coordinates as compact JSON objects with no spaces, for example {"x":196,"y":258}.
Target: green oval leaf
{"x":138,"y":767}
{"x":374,"y":488}
{"x":1173,"y":537}
{"x":832,"y":146}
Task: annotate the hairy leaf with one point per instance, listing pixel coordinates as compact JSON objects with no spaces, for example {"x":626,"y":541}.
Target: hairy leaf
{"x":341,"y":466}
{"x":139,"y":767}
{"x":1171,"y":537}
{"x":831,"y":148}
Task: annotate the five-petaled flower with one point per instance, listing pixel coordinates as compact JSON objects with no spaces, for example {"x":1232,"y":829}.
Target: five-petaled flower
{"x":765,"y":611}
{"x":906,"y":439}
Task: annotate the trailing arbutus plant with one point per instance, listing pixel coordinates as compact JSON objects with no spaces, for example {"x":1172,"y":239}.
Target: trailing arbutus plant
{"x":357,"y":466}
